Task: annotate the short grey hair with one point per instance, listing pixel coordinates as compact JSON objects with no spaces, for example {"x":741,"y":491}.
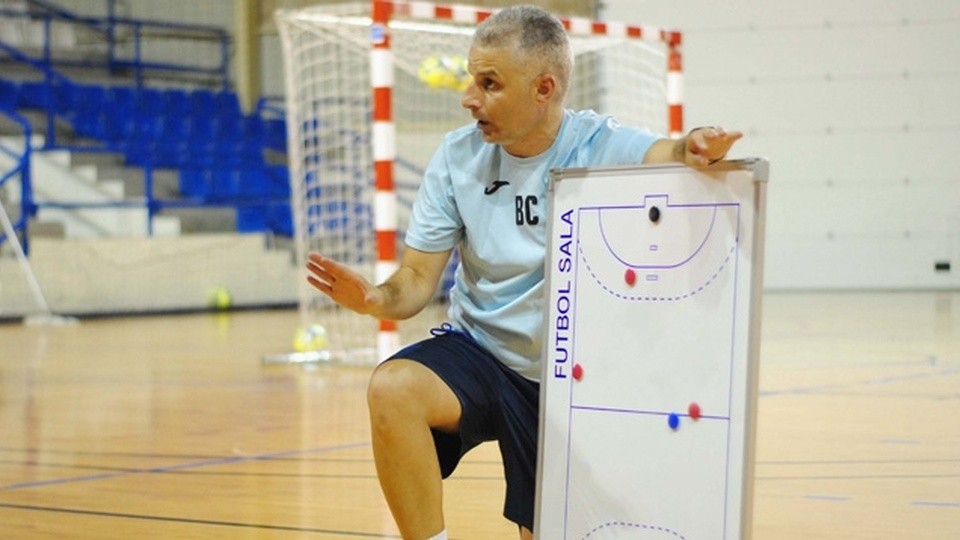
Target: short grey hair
{"x":533,"y":31}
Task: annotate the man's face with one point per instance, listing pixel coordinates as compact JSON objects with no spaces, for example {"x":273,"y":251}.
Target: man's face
{"x":503,"y":99}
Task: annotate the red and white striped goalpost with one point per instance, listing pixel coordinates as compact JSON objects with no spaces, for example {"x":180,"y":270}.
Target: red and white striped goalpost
{"x":384,"y":141}
{"x":384,"y":132}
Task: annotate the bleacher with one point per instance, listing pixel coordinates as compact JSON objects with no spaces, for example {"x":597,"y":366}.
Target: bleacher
{"x":222,"y":156}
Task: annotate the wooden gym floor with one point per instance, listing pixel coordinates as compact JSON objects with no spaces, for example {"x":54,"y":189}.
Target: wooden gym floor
{"x":169,"y":427}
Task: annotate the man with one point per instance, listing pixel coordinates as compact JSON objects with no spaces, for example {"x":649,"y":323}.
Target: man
{"x":485,"y":190}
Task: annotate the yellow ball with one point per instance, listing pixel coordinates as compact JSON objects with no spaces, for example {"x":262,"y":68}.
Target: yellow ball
{"x":310,"y":339}
{"x":444,"y":72}
{"x":219,"y":298}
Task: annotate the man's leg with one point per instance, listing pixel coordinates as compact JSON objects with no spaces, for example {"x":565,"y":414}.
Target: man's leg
{"x":525,"y":534}
{"x":406,"y":399}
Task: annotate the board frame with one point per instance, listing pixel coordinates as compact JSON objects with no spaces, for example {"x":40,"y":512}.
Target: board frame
{"x":755,"y":202}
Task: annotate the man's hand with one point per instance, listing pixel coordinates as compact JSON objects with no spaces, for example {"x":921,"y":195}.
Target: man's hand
{"x":707,"y":145}
{"x":343,"y":285}
{"x":401,"y":296}
{"x":702,"y":146}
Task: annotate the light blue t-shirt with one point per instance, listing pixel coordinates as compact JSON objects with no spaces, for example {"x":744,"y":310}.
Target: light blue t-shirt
{"x":493,"y":205}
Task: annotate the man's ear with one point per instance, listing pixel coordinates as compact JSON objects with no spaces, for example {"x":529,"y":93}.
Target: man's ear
{"x":546,"y":87}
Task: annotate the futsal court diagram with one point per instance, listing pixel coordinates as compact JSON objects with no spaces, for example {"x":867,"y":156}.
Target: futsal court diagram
{"x":645,"y":431}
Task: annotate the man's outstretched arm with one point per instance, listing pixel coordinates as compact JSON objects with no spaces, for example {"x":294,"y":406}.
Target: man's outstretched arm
{"x":401,"y":296}
{"x":702,"y":146}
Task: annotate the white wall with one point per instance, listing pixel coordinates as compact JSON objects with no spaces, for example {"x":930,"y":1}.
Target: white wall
{"x":856,"y":105}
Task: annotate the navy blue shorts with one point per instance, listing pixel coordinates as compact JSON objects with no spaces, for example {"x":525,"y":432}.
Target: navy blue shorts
{"x":497,"y":405}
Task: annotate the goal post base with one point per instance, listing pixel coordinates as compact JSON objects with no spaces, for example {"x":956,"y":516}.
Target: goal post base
{"x":310,"y":357}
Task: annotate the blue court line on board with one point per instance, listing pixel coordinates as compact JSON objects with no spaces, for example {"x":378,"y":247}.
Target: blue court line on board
{"x":639,"y":411}
{"x":168,"y":519}
{"x":696,"y":251}
{"x":938,"y":504}
{"x":181,"y":467}
{"x":635,"y":527}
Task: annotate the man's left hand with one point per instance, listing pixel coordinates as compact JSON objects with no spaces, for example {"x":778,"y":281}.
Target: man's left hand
{"x":708,"y":145}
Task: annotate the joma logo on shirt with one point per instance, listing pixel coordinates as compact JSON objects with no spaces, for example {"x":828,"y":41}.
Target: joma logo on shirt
{"x":526,"y":210}
{"x":492,"y":188}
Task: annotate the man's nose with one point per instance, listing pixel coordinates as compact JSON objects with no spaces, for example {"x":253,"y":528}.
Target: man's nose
{"x":469,"y":100}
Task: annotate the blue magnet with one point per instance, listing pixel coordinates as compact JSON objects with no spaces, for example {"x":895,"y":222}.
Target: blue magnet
{"x":673,"y":421}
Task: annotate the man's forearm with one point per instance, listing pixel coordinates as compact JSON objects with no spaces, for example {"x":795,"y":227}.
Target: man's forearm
{"x":667,"y":151}
{"x":404,"y":295}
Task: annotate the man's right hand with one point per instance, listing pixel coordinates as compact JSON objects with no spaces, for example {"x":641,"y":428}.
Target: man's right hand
{"x":343,"y":285}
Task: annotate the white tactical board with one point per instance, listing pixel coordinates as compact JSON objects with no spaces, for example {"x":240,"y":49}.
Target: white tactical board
{"x":648,"y":394}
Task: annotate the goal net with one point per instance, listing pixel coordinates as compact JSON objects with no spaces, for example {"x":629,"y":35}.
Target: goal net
{"x":333,"y":127}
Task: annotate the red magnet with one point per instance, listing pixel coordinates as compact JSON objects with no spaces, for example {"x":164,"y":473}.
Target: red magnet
{"x":577,"y":372}
{"x":694,"y":411}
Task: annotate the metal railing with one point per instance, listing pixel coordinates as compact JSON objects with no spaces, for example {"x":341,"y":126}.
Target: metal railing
{"x":21,"y":169}
{"x":114,"y":31}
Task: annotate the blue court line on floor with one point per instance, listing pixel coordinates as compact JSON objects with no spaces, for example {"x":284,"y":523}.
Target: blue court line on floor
{"x":937,"y":504}
{"x":134,"y":470}
{"x":7,"y":449}
{"x":916,"y":461}
{"x":900,"y":441}
{"x":825,"y":388}
{"x":146,"y":455}
{"x":841,"y":498}
{"x":188,"y":521}
{"x":834,"y":498}
{"x":860,"y":477}
{"x":181,"y":467}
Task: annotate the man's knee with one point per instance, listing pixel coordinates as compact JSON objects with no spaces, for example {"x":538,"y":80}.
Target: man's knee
{"x":392,"y":385}
{"x":409,"y":390}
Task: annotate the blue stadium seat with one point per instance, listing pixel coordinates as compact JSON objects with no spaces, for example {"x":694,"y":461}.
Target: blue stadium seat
{"x":33,"y":95}
{"x":278,"y":181}
{"x":202,"y":102}
{"x":251,"y":128}
{"x":275,"y":134}
{"x":89,"y":103}
{"x":280,"y":218}
{"x":65,"y":97}
{"x":120,"y":115}
{"x":274,"y":216}
{"x":9,"y":94}
{"x":227,"y":128}
{"x":176,"y":102}
{"x":193,"y":182}
{"x":228,"y":104}
{"x":226,"y":183}
{"x":252,"y":218}
{"x":217,"y":150}
{"x":148,"y":115}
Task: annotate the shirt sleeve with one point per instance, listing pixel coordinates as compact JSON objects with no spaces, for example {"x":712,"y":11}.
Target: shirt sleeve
{"x":435,"y":223}
{"x":615,"y":144}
